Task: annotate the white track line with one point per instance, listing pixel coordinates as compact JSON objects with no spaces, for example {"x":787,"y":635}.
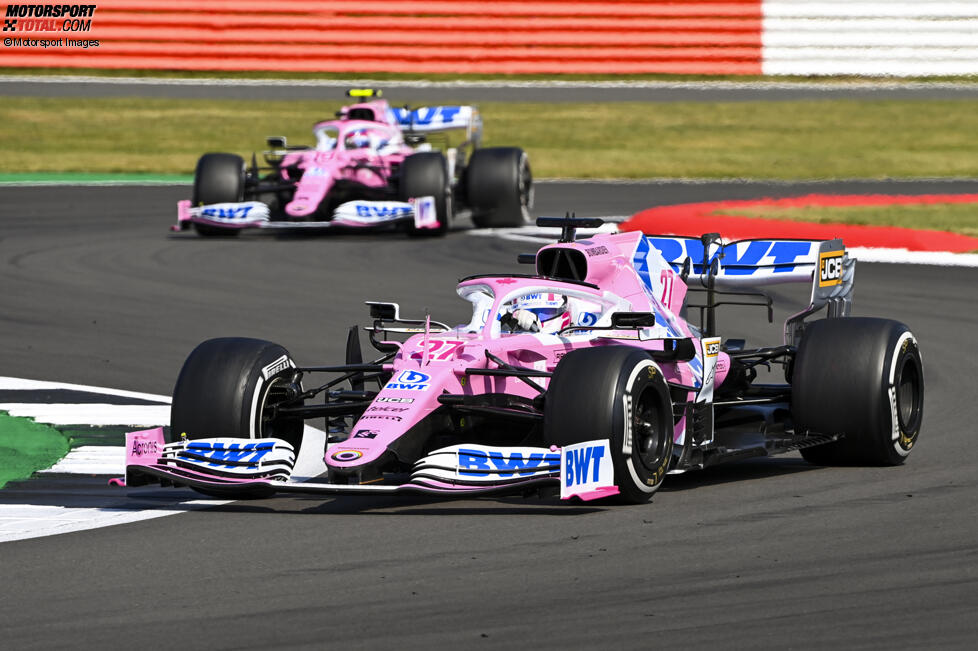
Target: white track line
{"x":14,"y":383}
{"x":92,"y":460}
{"x":23,"y":521}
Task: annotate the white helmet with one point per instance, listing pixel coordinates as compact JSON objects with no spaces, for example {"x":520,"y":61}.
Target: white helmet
{"x":551,"y":310}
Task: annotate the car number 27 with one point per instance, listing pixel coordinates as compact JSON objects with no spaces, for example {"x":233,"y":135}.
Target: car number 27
{"x":440,"y":349}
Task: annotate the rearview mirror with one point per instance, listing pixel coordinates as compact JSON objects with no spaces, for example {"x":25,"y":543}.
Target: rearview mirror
{"x":632,"y":320}
{"x":383,"y":311}
{"x":276,"y":142}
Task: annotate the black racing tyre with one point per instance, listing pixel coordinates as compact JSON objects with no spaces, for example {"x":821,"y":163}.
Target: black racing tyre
{"x":426,"y":174}
{"x":616,"y":393}
{"x":499,"y":187}
{"x":862,"y":378}
{"x":219,"y":178}
{"x":230,"y":387}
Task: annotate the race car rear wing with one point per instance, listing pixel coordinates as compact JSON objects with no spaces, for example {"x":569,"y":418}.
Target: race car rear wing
{"x":434,"y":119}
{"x":744,"y":263}
{"x":708,"y":262}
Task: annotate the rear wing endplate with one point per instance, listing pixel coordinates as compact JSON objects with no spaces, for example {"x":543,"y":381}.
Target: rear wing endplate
{"x":832,"y":287}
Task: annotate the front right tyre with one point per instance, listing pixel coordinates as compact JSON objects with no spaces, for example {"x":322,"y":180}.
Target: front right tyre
{"x":232,"y":387}
{"x":218,"y":178}
{"x":616,"y":393}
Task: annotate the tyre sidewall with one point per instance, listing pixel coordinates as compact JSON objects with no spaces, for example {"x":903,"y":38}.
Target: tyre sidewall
{"x":903,"y":358}
{"x":636,"y":480}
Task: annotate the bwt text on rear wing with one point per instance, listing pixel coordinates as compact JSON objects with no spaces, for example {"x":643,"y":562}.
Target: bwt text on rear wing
{"x":433,"y":119}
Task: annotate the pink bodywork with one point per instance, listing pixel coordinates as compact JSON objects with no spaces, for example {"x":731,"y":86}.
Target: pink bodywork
{"x":443,"y":357}
{"x":332,"y":161}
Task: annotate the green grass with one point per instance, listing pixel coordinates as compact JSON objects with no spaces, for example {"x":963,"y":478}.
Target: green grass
{"x":772,"y":140}
{"x":26,"y":446}
{"x":952,"y":217}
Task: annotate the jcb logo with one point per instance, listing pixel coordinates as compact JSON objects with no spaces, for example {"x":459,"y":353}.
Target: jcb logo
{"x":712,"y":349}
{"x":830,"y":268}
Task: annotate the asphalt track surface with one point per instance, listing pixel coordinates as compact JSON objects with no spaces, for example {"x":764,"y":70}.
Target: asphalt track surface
{"x":772,"y":553}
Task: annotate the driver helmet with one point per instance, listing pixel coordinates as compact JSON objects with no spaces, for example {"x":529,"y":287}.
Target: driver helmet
{"x":358,"y":139}
{"x":551,"y":310}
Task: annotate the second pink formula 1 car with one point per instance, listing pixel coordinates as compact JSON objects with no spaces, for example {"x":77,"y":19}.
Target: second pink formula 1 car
{"x":371,"y":168}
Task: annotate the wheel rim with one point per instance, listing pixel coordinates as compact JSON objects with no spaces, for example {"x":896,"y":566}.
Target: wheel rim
{"x":908,"y":396}
{"x":525,"y":183}
{"x":648,"y":431}
{"x":274,"y":394}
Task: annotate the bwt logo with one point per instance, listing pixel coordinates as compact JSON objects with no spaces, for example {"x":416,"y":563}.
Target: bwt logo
{"x":410,"y":381}
{"x":426,"y":116}
{"x":830,"y":268}
{"x":483,"y":463}
{"x":587,"y":319}
{"x":239,"y":212}
{"x":231,"y":453}
{"x":580,"y":463}
{"x":785,"y":254}
{"x":369,"y":210}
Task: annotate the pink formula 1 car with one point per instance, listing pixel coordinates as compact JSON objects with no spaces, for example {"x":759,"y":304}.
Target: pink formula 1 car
{"x":583,"y":377}
{"x":371,"y":168}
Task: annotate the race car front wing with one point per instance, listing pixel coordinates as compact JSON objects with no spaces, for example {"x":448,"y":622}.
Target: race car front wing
{"x":350,"y":215}
{"x":237,"y":468}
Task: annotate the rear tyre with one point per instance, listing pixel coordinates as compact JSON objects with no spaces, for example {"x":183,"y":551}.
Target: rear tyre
{"x":219,"y":178}
{"x":499,"y":187}
{"x":426,"y":174}
{"x":617,"y":393}
{"x":862,"y":378}
{"x":231,"y":387}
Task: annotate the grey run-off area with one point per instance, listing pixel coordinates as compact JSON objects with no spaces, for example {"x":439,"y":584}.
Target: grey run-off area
{"x":476,"y":91}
